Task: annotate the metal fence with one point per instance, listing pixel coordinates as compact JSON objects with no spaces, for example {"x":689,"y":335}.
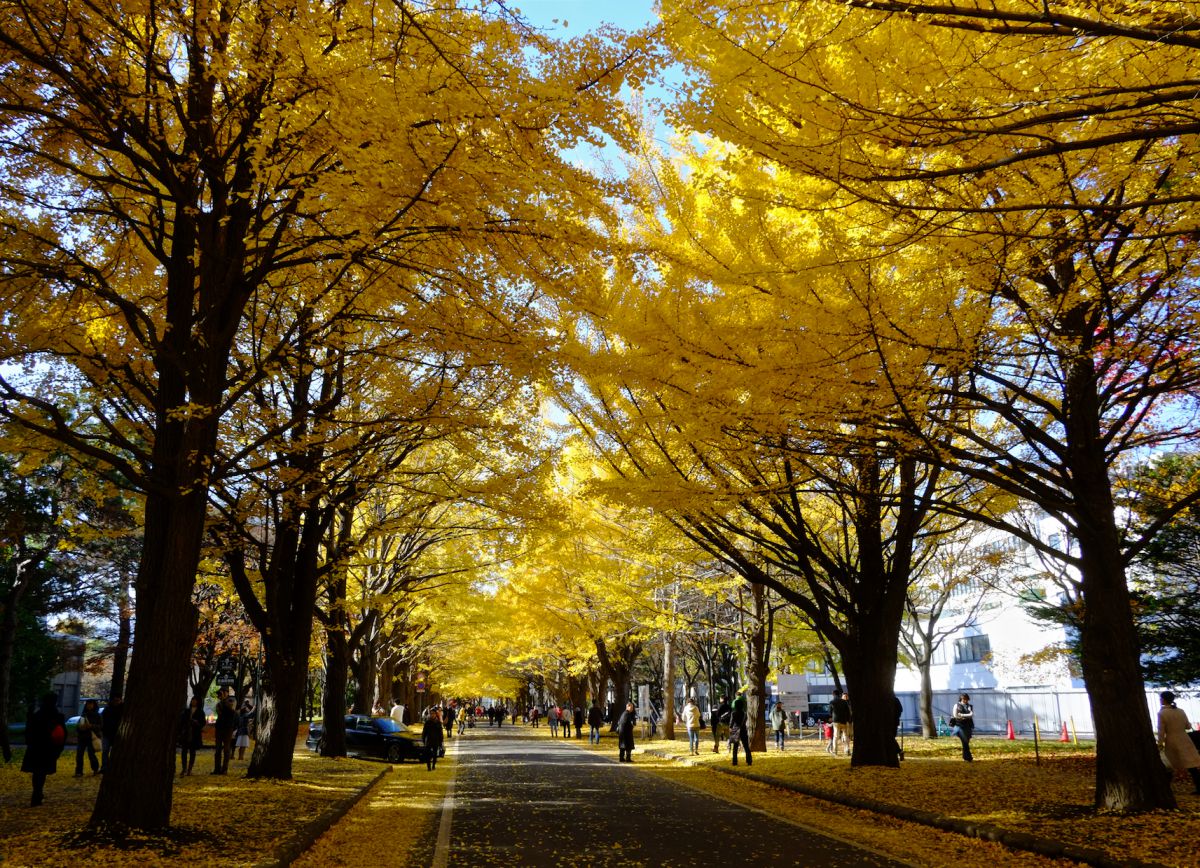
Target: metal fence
{"x":1051,"y":708}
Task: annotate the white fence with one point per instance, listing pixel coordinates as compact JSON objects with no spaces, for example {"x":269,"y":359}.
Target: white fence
{"x":1052,"y":708}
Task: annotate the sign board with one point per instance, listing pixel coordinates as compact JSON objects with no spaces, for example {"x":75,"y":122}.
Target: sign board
{"x":793,"y":692}
{"x":421,"y":683}
{"x":643,"y":701}
{"x":226,"y":671}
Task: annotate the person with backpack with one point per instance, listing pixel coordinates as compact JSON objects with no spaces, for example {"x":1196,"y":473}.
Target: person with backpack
{"x":45,"y":735}
{"x":87,"y":737}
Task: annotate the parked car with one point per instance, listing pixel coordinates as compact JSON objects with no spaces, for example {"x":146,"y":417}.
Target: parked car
{"x":818,"y":712}
{"x":375,"y":736}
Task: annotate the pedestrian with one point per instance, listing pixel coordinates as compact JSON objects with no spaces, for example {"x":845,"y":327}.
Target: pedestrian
{"x":397,"y":712}
{"x":191,"y":735}
{"x":565,"y":721}
{"x":962,"y":724}
{"x":450,"y":715}
{"x":87,"y":737}
{"x":224,"y":730}
{"x":45,"y":735}
{"x":536,"y":714}
{"x":779,"y":725}
{"x":554,"y":715}
{"x":625,"y":724}
{"x":842,"y":717}
{"x":110,"y":728}
{"x":595,"y":718}
{"x":720,"y":720}
{"x":578,"y":721}
{"x":739,"y":730}
{"x":693,"y":721}
{"x":431,"y":736}
{"x":1173,"y":739}
{"x":245,"y":729}
{"x":898,"y":707}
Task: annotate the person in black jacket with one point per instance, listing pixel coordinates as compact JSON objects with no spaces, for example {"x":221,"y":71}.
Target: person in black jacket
{"x":578,"y":722}
{"x":224,"y":728}
{"x":595,"y":719}
{"x":45,"y":735}
{"x":962,"y":723}
{"x":720,"y":718}
{"x":191,"y":735}
{"x":842,"y":717}
{"x":110,"y":723}
{"x":738,"y":730}
{"x":431,"y":735}
{"x":625,"y":724}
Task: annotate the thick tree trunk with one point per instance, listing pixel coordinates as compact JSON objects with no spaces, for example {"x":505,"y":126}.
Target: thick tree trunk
{"x":121,"y":651}
{"x":279,"y":717}
{"x":8,"y":638}
{"x":928,"y":722}
{"x":756,"y":670}
{"x":137,"y":786}
{"x":668,"y":718}
{"x":1128,"y":772}
{"x":333,"y":702}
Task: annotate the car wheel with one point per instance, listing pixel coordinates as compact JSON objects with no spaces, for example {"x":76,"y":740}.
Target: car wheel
{"x":812,"y":721}
{"x":395,"y":753}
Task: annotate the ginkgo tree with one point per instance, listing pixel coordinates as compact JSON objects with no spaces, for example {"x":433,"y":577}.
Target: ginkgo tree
{"x":165,"y":164}
{"x":1043,"y":160}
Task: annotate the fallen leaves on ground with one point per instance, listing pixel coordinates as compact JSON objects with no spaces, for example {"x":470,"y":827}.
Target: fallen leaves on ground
{"x":1006,"y":786}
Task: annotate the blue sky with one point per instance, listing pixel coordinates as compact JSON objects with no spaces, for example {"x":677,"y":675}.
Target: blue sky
{"x":583,"y":15}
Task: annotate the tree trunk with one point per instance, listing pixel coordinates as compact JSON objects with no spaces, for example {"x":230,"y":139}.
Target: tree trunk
{"x":8,"y":638}
{"x":333,"y":702}
{"x":925,"y":705}
{"x":668,"y":719}
{"x":121,"y":651}
{"x":756,"y":670}
{"x":137,"y":787}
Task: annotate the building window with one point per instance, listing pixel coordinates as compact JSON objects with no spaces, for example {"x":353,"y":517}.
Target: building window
{"x":971,"y":649}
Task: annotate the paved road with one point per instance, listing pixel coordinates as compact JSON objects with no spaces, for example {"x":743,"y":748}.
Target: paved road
{"x":521,"y":799}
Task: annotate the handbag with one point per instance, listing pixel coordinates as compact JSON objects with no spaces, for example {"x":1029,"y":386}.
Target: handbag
{"x":97,"y":744}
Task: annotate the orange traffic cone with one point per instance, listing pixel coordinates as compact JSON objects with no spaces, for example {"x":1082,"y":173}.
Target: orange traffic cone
{"x":1012,"y":736}
{"x":1064,"y":736}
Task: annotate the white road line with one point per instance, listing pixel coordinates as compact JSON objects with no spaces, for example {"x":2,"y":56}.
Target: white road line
{"x":441,"y":851}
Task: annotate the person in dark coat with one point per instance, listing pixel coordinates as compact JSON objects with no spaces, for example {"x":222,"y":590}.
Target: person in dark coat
{"x":595,"y":719}
{"x":578,"y":722}
{"x":738,"y":731}
{"x":191,"y":735}
{"x":110,"y":724}
{"x":625,"y":724}
{"x":45,"y":735}
{"x":224,"y":729}
{"x":87,"y":732}
{"x":431,"y":735}
{"x":720,"y":717}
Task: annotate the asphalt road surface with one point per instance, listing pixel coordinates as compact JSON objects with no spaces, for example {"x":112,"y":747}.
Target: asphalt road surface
{"x":520,"y":799}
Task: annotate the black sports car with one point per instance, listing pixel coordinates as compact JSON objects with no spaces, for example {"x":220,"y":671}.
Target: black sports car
{"x":375,"y":736}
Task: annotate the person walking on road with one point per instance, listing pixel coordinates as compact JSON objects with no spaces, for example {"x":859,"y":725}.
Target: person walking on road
{"x":720,"y":720}
{"x":1174,"y":741}
{"x":45,"y":735}
{"x":779,"y":725}
{"x":87,"y":736}
{"x":842,"y":717}
{"x":962,"y":724}
{"x":224,"y":728}
{"x":692,"y":720}
{"x":431,"y":735}
{"x":191,"y":735}
{"x":595,"y":719}
{"x":625,"y":725}
{"x":738,"y":730}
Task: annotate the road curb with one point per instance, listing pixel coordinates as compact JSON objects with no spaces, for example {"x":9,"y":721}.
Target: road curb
{"x":1009,"y":838}
{"x":291,"y":849}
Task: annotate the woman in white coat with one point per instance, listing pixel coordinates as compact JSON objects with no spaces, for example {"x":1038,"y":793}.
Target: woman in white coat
{"x":1173,"y":738}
